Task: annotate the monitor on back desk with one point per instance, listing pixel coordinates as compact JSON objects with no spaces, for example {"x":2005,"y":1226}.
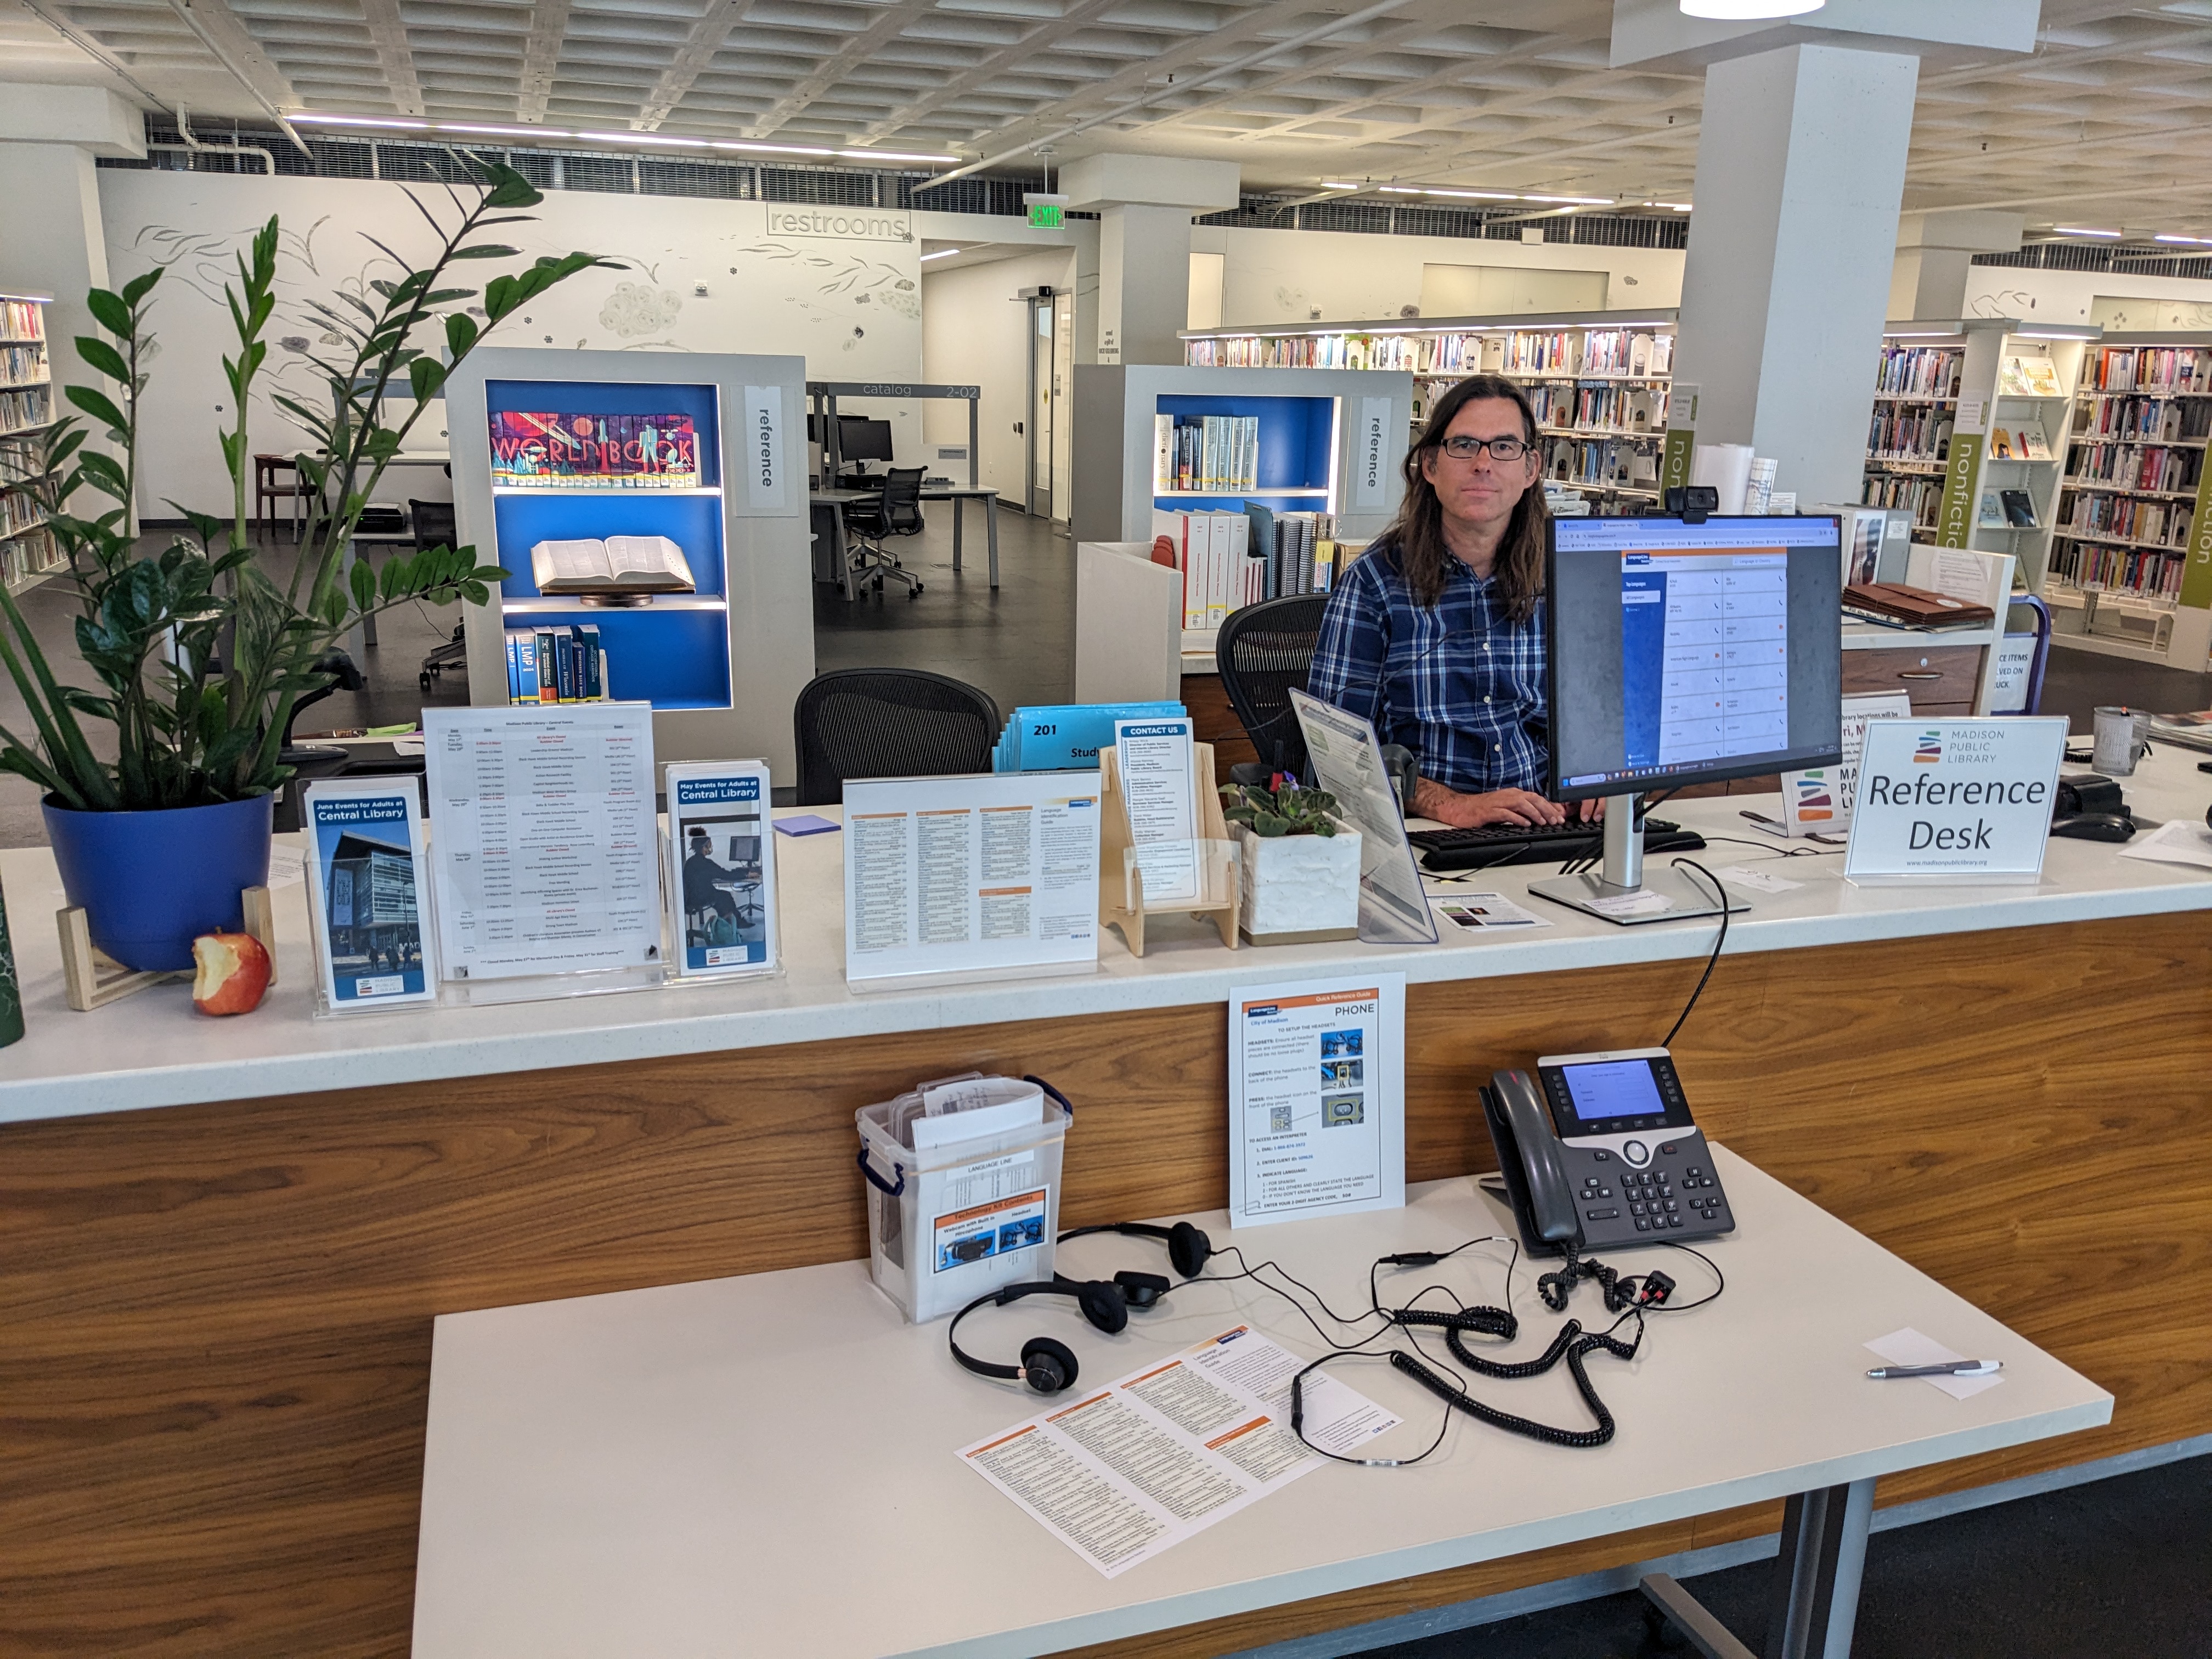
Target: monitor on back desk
{"x":859,"y":438}
{"x":1684,"y":653}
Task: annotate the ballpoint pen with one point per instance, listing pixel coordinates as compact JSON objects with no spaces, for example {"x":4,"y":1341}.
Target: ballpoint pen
{"x":1948,"y":1368}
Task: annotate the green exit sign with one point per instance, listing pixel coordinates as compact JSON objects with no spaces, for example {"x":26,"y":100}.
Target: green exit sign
{"x":1045,"y":215}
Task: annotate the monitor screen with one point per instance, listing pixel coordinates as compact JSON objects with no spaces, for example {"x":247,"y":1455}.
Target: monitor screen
{"x":1686,"y":653}
{"x":859,"y":438}
{"x":1613,"y":1088}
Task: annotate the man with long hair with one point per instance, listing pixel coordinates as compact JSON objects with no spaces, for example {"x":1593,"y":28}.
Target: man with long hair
{"x":1436,"y":634}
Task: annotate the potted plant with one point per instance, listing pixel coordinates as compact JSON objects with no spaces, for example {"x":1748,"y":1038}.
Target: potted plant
{"x":200,"y":654}
{"x":1299,"y":864}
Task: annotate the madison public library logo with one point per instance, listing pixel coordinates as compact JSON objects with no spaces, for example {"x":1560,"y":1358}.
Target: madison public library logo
{"x":1928,"y":751}
{"x":1816,"y":804}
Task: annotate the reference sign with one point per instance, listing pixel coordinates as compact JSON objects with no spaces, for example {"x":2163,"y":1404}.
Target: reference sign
{"x":1954,"y":801}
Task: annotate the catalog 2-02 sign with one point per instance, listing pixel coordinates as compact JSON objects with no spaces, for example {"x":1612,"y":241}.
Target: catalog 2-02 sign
{"x":1955,"y":800}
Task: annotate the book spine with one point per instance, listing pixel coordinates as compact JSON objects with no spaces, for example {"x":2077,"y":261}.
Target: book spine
{"x":548,"y":684}
{"x":594,"y":660}
{"x":514,"y":668}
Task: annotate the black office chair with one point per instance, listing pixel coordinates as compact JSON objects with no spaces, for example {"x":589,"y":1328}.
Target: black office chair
{"x":889,"y":723}
{"x":434,"y":526}
{"x":1263,"y":652}
{"x":896,"y":511}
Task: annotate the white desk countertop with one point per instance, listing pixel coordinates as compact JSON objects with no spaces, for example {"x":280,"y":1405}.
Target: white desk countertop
{"x":153,"y":1050}
{"x":767,"y":1464}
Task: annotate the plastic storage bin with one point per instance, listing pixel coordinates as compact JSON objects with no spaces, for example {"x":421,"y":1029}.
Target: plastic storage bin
{"x":953,"y":1223}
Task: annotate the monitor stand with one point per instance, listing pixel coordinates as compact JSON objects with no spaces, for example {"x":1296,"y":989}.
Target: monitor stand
{"x":1613,"y":894}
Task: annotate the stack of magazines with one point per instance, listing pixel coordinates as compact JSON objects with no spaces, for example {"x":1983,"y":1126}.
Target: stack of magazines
{"x":2190,"y":731}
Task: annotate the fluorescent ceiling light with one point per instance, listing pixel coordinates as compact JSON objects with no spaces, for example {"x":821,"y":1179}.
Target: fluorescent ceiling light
{"x":1736,"y":11}
{"x":1331,"y":184}
{"x":2080,"y":230}
{"x":613,"y":139}
{"x":941,"y":253}
{"x":1578,"y":201}
{"x":2194,"y":241}
{"x":1678,"y":207}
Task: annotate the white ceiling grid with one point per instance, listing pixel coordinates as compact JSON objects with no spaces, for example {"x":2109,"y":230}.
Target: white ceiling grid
{"x":2110,"y":118}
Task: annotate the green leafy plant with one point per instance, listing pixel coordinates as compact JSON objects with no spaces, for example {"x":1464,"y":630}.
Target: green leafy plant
{"x":1287,"y":812}
{"x":199,"y":653}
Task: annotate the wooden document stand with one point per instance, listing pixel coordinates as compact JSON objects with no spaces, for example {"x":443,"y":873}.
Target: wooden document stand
{"x":1113,"y":839}
{"x":91,"y":979}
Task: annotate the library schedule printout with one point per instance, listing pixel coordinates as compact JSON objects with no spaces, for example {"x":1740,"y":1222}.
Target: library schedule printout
{"x":545,"y":849}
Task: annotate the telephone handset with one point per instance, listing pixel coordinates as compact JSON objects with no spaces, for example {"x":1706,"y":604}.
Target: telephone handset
{"x":1599,"y":1151}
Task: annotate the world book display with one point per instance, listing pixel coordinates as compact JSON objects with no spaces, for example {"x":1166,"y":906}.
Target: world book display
{"x":1599,"y":380}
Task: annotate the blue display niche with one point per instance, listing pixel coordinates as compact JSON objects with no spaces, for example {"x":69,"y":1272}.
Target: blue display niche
{"x":1296,"y":444}
{"x":524,"y":518}
{"x":668,"y":657}
{"x":619,"y":397}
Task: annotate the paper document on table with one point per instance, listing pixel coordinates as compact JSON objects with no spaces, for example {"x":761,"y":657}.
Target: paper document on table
{"x":1477,"y":910}
{"x":1316,"y":1098}
{"x":1909,"y":1347}
{"x":1144,"y":1462}
{"x":1345,"y":758}
{"x":2182,"y":840}
{"x":1759,"y":881}
{"x":1640,"y":902}
{"x":1152,"y":761}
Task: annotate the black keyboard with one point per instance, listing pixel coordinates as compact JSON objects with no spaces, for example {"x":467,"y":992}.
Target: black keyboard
{"x":1498,"y":844}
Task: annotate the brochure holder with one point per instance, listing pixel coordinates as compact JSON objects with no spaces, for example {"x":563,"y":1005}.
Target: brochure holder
{"x":91,"y":979}
{"x":1121,"y":902}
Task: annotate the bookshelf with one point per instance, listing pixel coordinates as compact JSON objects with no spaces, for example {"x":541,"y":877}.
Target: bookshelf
{"x":29,"y":553}
{"x":2132,"y":515}
{"x":655,"y":454}
{"x":1599,"y":380}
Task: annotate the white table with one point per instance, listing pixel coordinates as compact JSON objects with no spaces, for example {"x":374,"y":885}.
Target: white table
{"x":766,"y":1465}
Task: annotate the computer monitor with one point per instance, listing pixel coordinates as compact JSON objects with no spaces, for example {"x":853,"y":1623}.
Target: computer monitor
{"x":859,"y":438}
{"x":1681,"y":654}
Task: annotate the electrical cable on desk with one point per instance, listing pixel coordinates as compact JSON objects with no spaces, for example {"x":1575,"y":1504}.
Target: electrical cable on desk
{"x":1721,"y":893}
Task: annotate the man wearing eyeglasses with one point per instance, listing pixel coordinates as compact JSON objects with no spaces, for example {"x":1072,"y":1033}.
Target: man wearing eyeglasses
{"x":1436,"y":634}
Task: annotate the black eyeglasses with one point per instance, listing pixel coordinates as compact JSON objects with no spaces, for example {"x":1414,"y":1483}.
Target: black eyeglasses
{"x":1461,"y":448}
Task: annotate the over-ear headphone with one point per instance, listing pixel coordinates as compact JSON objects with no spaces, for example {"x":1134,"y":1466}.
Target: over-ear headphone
{"x":1188,"y":1249}
{"x":1048,"y":1366}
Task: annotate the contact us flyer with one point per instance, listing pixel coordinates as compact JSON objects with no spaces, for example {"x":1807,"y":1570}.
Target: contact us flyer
{"x":1316,"y":1098}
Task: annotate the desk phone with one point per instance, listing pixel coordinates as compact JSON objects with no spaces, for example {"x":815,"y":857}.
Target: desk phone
{"x":1599,"y":1151}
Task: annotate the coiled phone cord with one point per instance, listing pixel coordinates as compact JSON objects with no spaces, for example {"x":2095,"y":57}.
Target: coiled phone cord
{"x":1573,"y":1341}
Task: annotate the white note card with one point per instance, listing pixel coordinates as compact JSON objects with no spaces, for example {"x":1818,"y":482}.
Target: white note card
{"x":1909,"y":1347}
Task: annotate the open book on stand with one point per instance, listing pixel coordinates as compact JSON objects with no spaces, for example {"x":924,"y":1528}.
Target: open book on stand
{"x":621,"y":567}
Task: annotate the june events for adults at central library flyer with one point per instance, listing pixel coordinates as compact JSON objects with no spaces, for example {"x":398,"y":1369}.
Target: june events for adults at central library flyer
{"x":1316,"y":1098}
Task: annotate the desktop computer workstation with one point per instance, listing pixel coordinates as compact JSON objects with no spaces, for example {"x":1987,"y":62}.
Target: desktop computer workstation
{"x":1684,"y":653}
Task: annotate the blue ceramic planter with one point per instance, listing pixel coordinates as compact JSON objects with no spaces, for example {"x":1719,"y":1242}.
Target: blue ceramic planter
{"x":150,"y":883}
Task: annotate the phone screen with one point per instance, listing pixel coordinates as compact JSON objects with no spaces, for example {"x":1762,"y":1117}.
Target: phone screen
{"x":1605,"y":1090}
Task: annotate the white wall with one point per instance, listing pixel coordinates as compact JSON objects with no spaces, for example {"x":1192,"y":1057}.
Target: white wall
{"x":2070,"y":296}
{"x":973,"y":327}
{"x":1288,"y":276}
{"x":853,"y":307}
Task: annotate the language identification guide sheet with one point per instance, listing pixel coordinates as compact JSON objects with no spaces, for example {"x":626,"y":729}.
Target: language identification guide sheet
{"x":546,"y":842}
{"x":1143,"y":1463}
{"x":1316,"y":1098}
{"x":996,"y":874}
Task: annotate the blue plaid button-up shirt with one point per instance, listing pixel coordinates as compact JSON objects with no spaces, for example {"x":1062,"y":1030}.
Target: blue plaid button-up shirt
{"x":1458,"y":684}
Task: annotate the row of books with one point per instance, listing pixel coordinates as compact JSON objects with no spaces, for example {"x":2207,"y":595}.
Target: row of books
{"x":22,"y":319}
{"x":564,"y":664}
{"x":2019,"y":440}
{"x":1303,"y":351}
{"x":1213,"y":552}
{"x":2153,"y":368}
{"x":24,"y":410}
{"x":543,"y":450}
{"x":1205,"y":452}
{"x":19,"y":511}
{"x":1907,"y":432}
{"x":1921,"y":497}
{"x":1600,"y":408}
{"x":2136,"y":466}
{"x":24,"y":556}
{"x":2131,"y":518}
{"x":2144,"y":419}
{"x":23,"y":365}
{"x":1615,"y":351}
{"x":1607,"y":463}
{"x":1920,"y":371}
{"x":2135,"y":571}
{"x":1304,"y":555}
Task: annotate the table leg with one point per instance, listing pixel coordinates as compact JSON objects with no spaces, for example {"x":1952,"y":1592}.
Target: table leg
{"x":991,"y":524}
{"x":1815,"y":1598}
{"x":844,"y":552}
{"x":959,"y":518}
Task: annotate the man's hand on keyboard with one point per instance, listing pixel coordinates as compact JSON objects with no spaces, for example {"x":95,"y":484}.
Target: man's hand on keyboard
{"x":1432,"y":800}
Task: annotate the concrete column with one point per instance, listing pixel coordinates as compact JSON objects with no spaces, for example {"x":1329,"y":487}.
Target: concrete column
{"x":49,"y":136}
{"x":1144,"y":205}
{"x":1801,"y":175}
{"x":1936,"y":256}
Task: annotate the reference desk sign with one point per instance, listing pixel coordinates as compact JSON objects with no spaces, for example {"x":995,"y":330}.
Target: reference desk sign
{"x":1954,"y":801}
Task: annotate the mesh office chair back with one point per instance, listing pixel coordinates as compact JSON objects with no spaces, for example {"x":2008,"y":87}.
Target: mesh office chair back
{"x":1263,"y":651}
{"x":889,"y":723}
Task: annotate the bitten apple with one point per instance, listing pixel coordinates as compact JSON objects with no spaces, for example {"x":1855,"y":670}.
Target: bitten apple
{"x":231,"y":973}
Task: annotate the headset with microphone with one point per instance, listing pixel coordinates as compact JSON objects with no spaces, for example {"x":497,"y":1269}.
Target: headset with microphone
{"x":1049,"y":1365}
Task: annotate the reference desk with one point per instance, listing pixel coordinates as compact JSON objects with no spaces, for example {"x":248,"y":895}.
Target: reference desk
{"x":223,"y":1242}
{"x":711,"y":1469}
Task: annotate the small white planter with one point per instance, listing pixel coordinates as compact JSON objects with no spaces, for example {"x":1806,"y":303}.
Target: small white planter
{"x":1296,"y":890}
